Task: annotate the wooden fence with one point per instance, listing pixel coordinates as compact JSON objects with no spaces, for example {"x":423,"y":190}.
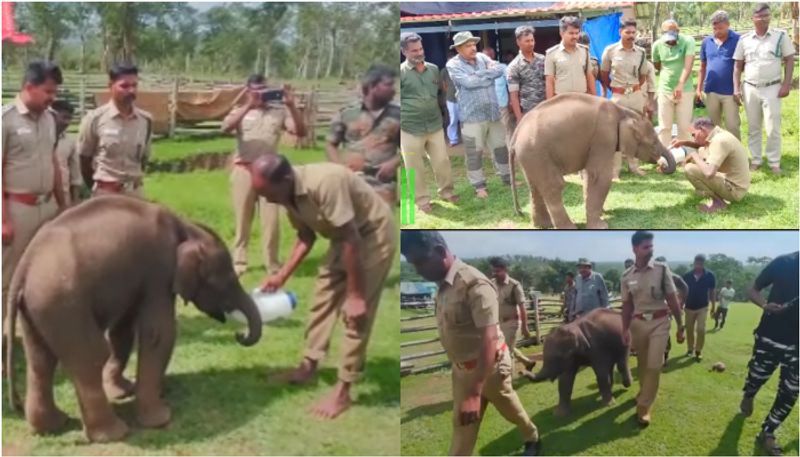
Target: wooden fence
{"x":543,"y":315}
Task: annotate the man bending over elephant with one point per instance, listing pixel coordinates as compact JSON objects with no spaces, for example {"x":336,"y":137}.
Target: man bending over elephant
{"x":467,"y":316}
{"x":719,"y":168}
{"x":330,"y":200}
{"x":648,"y":297}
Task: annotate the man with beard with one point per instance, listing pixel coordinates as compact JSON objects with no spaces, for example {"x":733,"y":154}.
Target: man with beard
{"x":648,"y":298}
{"x":422,"y":99}
{"x":468,"y":317}
{"x":369,"y":133}
{"x":114,"y":139}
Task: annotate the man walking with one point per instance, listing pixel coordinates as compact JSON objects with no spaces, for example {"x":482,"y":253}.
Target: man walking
{"x":776,"y":343}
{"x":726,"y":294}
{"x":702,"y":284}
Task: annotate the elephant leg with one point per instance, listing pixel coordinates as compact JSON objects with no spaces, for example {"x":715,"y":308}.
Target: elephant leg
{"x":120,"y":342}
{"x":40,"y":408}
{"x":596,"y":185}
{"x":624,"y":371}
{"x":539,"y":214}
{"x":565,"y":383}
{"x":601,"y":372}
{"x":550,"y":182}
{"x":83,"y":361}
{"x":156,"y":330}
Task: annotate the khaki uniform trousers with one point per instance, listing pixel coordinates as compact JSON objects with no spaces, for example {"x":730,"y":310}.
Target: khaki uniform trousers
{"x":695,"y":316}
{"x":634,"y":101}
{"x":414,"y":149}
{"x":137,"y":192}
{"x":509,"y":122}
{"x":330,"y":295}
{"x":670,"y":112}
{"x":245,"y":200}
{"x":26,"y":220}
{"x":762,"y":103}
{"x":498,"y":391}
{"x":719,"y":105}
{"x":716,"y":186}
{"x":650,"y":339}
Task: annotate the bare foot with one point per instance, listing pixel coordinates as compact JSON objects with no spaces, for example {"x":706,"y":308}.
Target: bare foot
{"x":638,"y":171}
{"x":716,"y":205}
{"x":776,"y":170}
{"x":334,"y":404}
{"x":481,"y":193}
{"x":453,"y":198}
{"x":425,"y":208}
{"x":302,"y":374}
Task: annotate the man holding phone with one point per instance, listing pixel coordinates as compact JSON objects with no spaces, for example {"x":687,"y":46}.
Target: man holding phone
{"x":258,"y":125}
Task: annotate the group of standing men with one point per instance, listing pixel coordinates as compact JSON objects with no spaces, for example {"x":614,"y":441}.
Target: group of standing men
{"x":489,"y":98}
{"x":44,"y":171}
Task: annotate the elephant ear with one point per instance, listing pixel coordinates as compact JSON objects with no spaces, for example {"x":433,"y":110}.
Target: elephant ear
{"x":629,"y":135}
{"x":187,"y":271}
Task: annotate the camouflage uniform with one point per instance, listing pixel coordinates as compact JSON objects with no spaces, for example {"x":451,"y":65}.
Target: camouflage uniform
{"x":377,"y":138}
{"x":528,"y":79}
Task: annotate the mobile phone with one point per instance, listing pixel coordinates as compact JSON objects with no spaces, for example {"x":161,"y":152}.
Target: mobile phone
{"x":272,"y":95}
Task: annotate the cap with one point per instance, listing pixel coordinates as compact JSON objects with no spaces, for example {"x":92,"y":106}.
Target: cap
{"x":583,"y":261}
{"x":670,"y":35}
{"x":760,"y":7}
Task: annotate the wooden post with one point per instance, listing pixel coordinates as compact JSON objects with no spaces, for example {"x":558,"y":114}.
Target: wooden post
{"x":537,"y":329}
{"x":173,"y":108}
{"x":82,"y":96}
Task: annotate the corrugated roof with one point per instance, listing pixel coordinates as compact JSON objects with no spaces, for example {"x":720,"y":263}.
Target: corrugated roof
{"x":513,"y":12}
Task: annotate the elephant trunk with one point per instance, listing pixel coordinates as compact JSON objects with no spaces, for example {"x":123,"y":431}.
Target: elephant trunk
{"x":664,"y":152}
{"x":248,"y":307}
{"x":545,"y":374}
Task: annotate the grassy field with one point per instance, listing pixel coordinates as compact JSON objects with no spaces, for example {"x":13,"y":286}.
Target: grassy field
{"x":223,"y":399}
{"x":696,"y":412}
{"x":654,"y":201}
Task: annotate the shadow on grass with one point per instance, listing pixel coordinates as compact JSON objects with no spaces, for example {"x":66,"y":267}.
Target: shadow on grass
{"x":729,"y":441}
{"x":427,"y":410}
{"x":594,"y":431}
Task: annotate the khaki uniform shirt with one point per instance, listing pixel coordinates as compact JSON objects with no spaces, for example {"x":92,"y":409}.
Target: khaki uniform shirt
{"x":119,"y":146}
{"x":466,"y":303}
{"x":649,"y":77}
{"x":259,"y":132}
{"x":28,"y":146}
{"x":729,"y":155}
{"x":568,"y":68}
{"x":763,"y":55}
{"x":68,"y":163}
{"x":329,"y":195}
{"x":509,"y":296}
{"x":648,"y":286}
{"x":623,"y":65}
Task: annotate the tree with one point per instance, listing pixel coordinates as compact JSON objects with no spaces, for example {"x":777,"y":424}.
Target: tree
{"x":681,"y":270}
{"x":613,"y":277}
{"x":47,"y":20}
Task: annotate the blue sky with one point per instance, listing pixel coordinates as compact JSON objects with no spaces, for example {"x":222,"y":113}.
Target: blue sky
{"x":615,"y":245}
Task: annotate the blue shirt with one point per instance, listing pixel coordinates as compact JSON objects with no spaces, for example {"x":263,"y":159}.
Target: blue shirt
{"x":698,"y":289}
{"x":475,"y":94}
{"x":501,"y":87}
{"x":719,"y":63}
{"x":592,"y":293}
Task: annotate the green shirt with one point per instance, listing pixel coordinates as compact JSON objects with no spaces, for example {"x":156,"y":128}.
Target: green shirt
{"x":419,"y":103}
{"x":672,"y":59}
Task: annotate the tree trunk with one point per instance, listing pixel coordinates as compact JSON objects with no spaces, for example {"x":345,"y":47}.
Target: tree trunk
{"x":267,"y":61}
{"x":330,"y":56}
{"x":51,"y":48}
{"x":83,"y":54}
{"x":257,"y":63}
{"x":319,"y":57}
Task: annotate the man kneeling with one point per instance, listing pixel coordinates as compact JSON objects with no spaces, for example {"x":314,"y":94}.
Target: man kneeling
{"x":719,"y":168}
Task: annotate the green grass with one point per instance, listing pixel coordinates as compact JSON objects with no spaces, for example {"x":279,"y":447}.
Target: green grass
{"x":222,"y":400}
{"x":167,"y":149}
{"x":654,"y":201}
{"x":696,"y":412}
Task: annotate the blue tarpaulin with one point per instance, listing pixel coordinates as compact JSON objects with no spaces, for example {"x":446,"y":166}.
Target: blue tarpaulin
{"x":602,"y":31}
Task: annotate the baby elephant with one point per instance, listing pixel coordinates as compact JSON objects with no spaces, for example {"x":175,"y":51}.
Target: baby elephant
{"x":574,"y":132}
{"x":93,"y":278}
{"x":594,"y":339}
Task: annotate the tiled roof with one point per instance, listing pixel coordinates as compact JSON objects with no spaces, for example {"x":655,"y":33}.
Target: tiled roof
{"x":506,"y":13}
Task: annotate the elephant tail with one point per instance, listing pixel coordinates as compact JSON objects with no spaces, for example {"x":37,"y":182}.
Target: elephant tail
{"x":15,"y":300}
{"x":512,"y":162}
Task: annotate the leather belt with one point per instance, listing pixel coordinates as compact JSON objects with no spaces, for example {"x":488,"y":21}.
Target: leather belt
{"x":652,"y":316}
{"x":509,"y":319}
{"x":625,"y":90}
{"x":472,"y":364}
{"x":30,"y":199}
{"x":763,"y":84}
{"x":242,"y":163}
{"x":116,"y":186}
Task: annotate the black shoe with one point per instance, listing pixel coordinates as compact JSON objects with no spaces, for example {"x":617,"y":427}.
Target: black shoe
{"x":768,"y":441}
{"x":532,"y":448}
{"x":698,"y":357}
{"x":746,"y":406}
{"x":690,"y":353}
